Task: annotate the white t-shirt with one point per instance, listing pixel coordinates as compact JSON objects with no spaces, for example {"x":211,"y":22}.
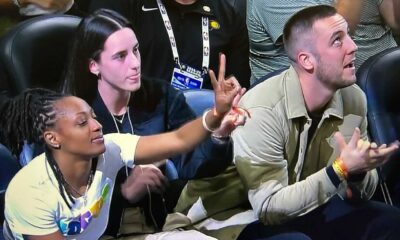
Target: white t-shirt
{"x":34,"y":205}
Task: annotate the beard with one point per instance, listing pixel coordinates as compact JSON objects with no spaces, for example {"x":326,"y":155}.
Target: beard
{"x":332,"y":79}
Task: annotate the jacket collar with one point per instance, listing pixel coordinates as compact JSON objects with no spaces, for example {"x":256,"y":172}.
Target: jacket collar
{"x":296,"y":106}
{"x":103,"y":115}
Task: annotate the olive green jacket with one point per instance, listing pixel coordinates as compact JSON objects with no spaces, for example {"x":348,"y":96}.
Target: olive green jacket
{"x":284,"y":171}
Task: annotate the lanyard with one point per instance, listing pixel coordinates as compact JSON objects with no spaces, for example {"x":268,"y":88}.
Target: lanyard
{"x":205,"y":36}
{"x":122,"y":126}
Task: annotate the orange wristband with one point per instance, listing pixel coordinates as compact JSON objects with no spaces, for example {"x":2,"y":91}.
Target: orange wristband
{"x":340,"y":167}
{"x":343,"y":166}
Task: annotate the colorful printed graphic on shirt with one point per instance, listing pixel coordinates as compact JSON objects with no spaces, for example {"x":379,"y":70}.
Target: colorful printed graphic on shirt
{"x":80,"y":223}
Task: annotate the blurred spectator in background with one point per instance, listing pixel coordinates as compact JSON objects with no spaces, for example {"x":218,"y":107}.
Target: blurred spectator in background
{"x":376,"y":27}
{"x":31,"y":8}
{"x":8,"y":16}
{"x":39,"y":7}
{"x":13,"y":11}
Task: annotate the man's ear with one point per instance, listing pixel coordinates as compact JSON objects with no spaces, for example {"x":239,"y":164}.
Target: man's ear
{"x":94,"y":67}
{"x":50,"y":137}
{"x":306,"y":60}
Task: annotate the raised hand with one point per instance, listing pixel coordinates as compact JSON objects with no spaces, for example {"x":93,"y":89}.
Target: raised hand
{"x":361,"y":156}
{"x":143,"y":178}
{"x":227,"y":90}
{"x":236,"y":117}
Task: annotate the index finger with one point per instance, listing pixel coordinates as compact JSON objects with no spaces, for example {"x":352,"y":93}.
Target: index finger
{"x":214,"y":81}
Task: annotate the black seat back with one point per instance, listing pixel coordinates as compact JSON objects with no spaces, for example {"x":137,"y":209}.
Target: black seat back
{"x":379,"y":78}
{"x":33,"y":53}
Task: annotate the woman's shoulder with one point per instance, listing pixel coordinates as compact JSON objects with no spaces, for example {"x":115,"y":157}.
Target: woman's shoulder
{"x":37,"y":165}
{"x":33,"y":177}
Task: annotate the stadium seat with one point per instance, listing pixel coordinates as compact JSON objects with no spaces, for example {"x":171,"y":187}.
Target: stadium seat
{"x":33,"y":52}
{"x":199,"y":99}
{"x":379,"y":78}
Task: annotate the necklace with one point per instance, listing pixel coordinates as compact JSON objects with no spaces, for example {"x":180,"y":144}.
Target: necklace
{"x":84,"y":195}
{"x":115,"y":119}
{"x":64,"y":186}
{"x":119,"y":118}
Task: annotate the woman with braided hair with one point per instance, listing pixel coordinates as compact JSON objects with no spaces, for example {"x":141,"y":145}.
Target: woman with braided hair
{"x":65,"y":192}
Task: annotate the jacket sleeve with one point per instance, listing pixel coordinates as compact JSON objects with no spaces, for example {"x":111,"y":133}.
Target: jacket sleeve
{"x":261,"y":162}
{"x":206,"y":160}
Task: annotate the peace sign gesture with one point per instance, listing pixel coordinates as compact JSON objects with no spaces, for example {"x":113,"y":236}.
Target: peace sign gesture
{"x":227,"y":90}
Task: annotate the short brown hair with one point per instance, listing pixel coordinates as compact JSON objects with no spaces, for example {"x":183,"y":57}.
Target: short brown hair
{"x":302,"y":22}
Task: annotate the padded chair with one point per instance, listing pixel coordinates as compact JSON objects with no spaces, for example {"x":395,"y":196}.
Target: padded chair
{"x":33,"y":52}
{"x":199,"y":99}
{"x":8,"y":168}
{"x":267,"y":76}
{"x":379,"y":78}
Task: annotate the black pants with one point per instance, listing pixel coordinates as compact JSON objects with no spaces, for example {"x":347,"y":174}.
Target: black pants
{"x":337,"y":219}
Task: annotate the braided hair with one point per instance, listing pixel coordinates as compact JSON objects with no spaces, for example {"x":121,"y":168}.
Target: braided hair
{"x":24,"y":119}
